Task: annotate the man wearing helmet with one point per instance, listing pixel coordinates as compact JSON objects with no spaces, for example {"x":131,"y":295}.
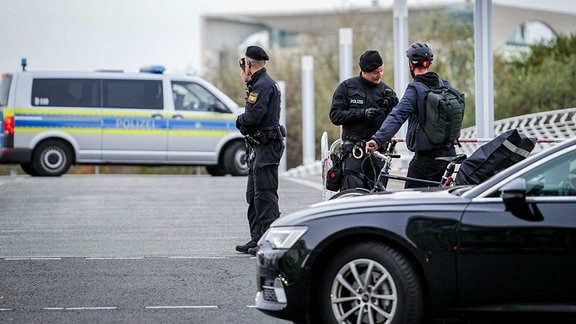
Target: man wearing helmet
{"x":360,"y":105}
{"x":423,"y":165}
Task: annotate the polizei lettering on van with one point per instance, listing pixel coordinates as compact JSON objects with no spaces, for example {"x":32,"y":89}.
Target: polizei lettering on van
{"x":135,"y":123}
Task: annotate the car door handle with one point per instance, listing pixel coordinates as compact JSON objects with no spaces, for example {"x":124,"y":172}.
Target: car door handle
{"x":157,"y":116}
{"x":178,"y":116}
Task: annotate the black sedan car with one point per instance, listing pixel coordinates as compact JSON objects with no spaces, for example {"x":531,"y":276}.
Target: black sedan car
{"x":507,"y":245}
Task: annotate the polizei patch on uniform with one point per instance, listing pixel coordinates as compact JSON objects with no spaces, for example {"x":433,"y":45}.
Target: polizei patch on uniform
{"x":252,"y":97}
{"x":357,"y":101}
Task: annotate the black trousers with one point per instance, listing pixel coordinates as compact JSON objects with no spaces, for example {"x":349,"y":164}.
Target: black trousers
{"x":424,"y":166}
{"x":262,"y":188}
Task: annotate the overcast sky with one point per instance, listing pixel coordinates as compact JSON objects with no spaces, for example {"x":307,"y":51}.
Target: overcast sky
{"x":126,"y":34}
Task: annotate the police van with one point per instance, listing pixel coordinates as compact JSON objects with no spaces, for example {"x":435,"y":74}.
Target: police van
{"x":52,"y":120}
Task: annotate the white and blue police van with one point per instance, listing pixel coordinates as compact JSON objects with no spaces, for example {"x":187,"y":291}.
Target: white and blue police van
{"x":52,"y":120}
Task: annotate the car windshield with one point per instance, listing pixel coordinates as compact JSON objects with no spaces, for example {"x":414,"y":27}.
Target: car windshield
{"x":554,"y":178}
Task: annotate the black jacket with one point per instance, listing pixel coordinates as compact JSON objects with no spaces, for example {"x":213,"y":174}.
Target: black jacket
{"x":349,"y":101}
{"x":411,"y":104}
{"x":262,"y":110}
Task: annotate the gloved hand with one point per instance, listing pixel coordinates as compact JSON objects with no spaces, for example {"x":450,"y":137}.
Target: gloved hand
{"x":371,"y":113}
{"x":390,"y":99}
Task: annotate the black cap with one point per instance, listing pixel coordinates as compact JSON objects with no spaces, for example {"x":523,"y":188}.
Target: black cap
{"x":256,"y":53}
{"x":370,"y":61}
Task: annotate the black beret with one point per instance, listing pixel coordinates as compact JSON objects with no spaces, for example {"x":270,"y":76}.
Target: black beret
{"x":370,"y":61}
{"x":256,"y":53}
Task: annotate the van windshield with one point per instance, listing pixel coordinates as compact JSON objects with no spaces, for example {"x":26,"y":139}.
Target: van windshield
{"x":4,"y":88}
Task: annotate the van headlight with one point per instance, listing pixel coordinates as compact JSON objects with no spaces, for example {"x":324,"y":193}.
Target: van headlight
{"x":284,"y":237}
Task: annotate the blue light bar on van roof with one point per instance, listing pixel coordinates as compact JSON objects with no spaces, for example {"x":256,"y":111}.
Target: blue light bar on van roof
{"x":159,"y":69}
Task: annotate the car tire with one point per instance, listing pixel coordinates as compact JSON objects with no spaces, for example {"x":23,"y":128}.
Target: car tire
{"x":29,"y":169}
{"x":371,"y":279}
{"x":215,"y":170}
{"x":351,"y":193}
{"x":52,"y":158}
{"x":235,"y":159}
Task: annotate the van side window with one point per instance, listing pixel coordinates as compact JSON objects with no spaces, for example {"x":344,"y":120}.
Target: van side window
{"x":193,"y":97}
{"x":141,"y":94}
{"x":66,"y":92}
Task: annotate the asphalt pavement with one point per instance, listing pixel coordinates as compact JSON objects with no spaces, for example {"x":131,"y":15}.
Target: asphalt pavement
{"x":131,"y":248}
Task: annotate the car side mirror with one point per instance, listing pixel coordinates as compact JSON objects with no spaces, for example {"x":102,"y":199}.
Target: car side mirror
{"x":514,"y":196}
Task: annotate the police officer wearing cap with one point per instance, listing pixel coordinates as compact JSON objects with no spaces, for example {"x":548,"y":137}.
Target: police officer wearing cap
{"x":260,"y":124}
{"x":360,"y":105}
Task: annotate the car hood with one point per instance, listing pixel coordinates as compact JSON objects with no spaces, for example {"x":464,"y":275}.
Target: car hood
{"x":405,"y":200}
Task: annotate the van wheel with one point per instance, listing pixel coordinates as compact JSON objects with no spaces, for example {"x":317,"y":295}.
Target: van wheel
{"x":29,"y":169}
{"x":52,"y":158}
{"x":235,"y":159}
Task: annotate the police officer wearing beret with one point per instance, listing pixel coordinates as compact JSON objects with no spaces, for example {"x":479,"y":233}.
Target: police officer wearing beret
{"x":260,"y":124}
{"x":360,"y":105}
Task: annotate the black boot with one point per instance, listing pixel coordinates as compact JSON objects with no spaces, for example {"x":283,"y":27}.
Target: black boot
{"x":253,"y":250}
{"x":244,"y":247}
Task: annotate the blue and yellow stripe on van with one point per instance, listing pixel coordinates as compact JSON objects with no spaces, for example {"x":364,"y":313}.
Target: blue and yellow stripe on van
{"x":122,"y":121}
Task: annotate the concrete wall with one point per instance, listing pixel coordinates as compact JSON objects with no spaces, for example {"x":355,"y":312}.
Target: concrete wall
{"x":224,"y":33}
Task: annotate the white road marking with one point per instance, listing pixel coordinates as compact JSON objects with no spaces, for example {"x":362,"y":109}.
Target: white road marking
{"x":81,"y":308}
{"x":199,"y":257}
{"x":184,"y":307}
{"x":235,"y":256}
{"x":115,"y":258}
{"x":33,"y":259}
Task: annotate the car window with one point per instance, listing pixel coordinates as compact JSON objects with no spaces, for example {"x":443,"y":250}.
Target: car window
{"x":554,"y":178}
{"x":66,"y":92}
{"x":191,"y":96}
{"x":140,"y":94}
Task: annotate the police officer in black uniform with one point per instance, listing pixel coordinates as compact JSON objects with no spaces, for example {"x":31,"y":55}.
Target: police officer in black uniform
{"x":260,"y":124}
{"x":360,"y":105}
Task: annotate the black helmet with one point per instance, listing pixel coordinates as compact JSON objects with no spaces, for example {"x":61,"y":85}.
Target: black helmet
{"x":419,"y":52}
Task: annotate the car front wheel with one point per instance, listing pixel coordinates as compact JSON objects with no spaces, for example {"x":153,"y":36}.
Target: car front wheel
{"x":52,"y":158}
{"x":372,"y":283}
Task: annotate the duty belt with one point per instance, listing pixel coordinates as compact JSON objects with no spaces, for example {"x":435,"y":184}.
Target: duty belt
{"x":266,"y":136}
{"x":356,"y":148}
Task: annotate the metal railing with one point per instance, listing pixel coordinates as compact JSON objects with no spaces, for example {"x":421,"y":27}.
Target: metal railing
{"x":548,"y":127}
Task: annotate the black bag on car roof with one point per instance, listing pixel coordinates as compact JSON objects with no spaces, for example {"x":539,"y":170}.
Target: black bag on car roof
{"x":500,"y":153}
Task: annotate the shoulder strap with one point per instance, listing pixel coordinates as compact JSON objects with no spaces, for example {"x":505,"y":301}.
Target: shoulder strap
{"x":421,"y":91}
